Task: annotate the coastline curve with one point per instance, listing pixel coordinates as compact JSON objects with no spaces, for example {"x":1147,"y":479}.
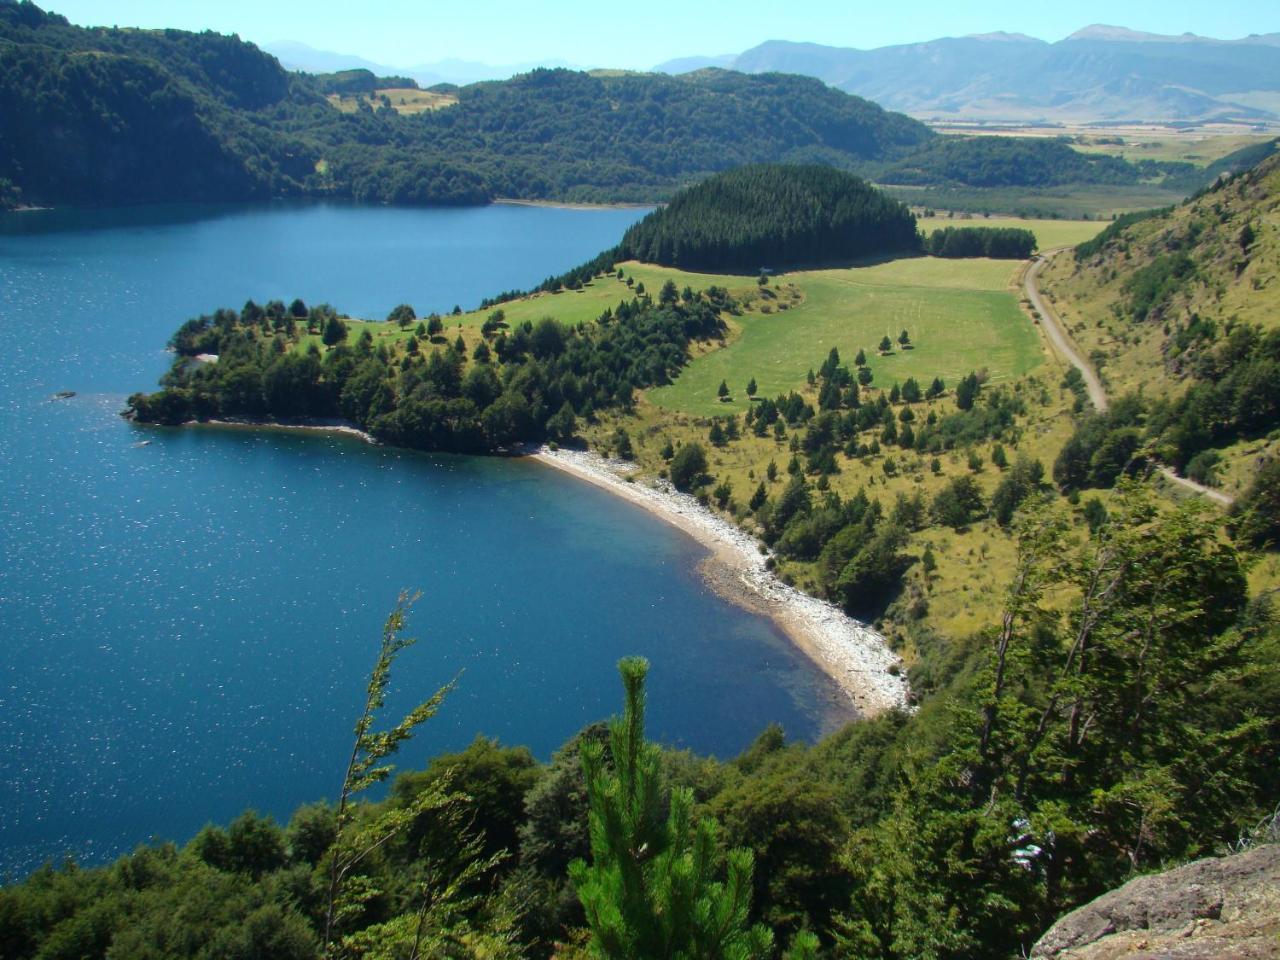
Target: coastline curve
{"x":854,"y":656}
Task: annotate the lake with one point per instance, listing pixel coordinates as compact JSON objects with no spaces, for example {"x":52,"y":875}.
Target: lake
{"x":186,"y":626}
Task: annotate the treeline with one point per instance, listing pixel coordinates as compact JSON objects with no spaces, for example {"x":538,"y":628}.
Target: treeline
{"x":1114,"y":230}
{"x":1001,"y":243}
{"x":527,"y":383}
{"x":357,"y":81}
{"x":963,"y":829}
{"x":761,"y":216}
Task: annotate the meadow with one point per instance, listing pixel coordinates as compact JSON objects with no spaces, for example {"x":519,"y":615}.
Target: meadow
{"x":404,"y":100}
{"x":960,"y":316}
{"x":1050,"y":234}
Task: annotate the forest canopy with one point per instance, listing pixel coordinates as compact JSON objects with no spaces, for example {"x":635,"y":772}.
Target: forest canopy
{"x":770,"y":216}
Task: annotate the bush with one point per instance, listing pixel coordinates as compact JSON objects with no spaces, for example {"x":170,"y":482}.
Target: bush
{"x":689,"y":467}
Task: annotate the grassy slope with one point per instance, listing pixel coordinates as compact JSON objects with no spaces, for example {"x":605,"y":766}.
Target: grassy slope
{"x":1090,"y":296}
{"x":960,"y":314}
{"x":972,"y":567}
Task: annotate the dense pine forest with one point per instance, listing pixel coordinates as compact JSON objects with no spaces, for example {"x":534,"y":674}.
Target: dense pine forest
{"x":112,"y":116}
{"x":768,"y":215}
{"x":1000,"y":243}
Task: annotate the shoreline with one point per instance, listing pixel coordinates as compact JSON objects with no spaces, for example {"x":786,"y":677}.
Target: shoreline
{"x":856,"y":658}
{"x":345,"y":427}
{"x":570,"y":205}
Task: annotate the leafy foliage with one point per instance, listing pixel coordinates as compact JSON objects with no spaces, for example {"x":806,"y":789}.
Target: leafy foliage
{"x":1006,"y":161}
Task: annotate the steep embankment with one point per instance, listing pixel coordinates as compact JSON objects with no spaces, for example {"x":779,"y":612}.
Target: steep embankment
{"x":1179,"y":307}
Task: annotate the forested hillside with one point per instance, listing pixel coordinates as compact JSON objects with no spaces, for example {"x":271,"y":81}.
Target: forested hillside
{"x":764,"y":216}
{"x":1177,"y":310}
{"x":511,"y":385}
{"x":111,"y":116}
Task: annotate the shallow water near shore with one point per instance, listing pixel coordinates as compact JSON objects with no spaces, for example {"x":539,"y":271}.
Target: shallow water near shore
{"x":187,"y":623}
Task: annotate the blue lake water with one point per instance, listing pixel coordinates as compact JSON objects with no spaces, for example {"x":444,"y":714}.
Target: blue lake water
{"x":186,"y":627}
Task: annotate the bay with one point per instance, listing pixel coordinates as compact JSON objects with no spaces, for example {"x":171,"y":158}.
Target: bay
{"x":186,"y":625}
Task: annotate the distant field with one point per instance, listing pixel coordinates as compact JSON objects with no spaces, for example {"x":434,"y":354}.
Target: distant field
{"x":1049,"y":233}
{"x":1072,"y":202}
{"x":1201,"y":151}
{"x":403,"y":100}
{"x":1201,"y":145}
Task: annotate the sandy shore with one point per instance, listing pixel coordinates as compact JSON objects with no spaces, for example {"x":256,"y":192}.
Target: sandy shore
{"x":856,"y":657}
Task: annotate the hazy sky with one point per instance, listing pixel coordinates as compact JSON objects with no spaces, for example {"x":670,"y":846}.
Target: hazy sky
{"x":640,"y":35}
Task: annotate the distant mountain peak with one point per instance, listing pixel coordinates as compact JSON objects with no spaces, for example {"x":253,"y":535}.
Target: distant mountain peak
{"x":1003,"y":36}
{"x":1103,"y":31}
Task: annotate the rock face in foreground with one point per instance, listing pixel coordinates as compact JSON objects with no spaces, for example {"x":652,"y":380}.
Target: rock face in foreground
{"x":1210,"y":909}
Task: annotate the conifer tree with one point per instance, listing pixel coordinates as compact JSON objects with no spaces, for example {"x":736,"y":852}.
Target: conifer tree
{"x":650,"y":890}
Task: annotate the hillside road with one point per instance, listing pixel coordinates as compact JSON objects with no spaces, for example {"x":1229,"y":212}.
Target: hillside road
{"x":1057,"y":334}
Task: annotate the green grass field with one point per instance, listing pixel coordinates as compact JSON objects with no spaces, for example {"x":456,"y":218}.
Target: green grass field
{"x":1049,"y":233}
{"x":960,"y":314}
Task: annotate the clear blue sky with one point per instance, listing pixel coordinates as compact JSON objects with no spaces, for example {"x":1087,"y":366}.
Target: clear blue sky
{"x":640,"y":35}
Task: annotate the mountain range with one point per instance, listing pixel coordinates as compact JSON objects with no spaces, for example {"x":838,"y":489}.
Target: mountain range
{"x":299,"y":56}
{"x":1098,"y":74}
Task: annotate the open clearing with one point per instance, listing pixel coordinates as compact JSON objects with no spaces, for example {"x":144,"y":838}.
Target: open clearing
{"x":404,"y":100}
{"x":1049,"y":233}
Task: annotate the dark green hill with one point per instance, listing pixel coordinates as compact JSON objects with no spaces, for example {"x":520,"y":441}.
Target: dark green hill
{"x":121,"y":116}
{"x":772,"y":215}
